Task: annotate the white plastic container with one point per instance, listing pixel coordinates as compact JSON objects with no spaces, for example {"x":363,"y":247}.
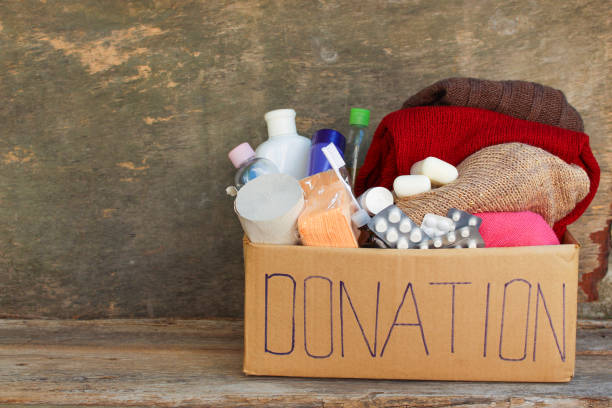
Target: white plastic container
{"x":284,"y":147}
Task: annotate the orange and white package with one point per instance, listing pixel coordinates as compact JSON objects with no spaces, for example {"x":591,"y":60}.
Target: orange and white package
{"x":326,"y":218}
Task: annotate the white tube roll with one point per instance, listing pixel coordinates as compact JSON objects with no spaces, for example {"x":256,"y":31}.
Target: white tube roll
{"x":268,"y":208}
{"x":408,"y":185}
{"x":438,"y":171}
{"x":375,"y":199}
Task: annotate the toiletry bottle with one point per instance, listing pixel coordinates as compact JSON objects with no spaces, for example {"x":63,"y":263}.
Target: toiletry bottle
{"x":321,"y":138}
{"x":284,"y":147}
{"x":358,"y":141}
{"x":249,"y":166}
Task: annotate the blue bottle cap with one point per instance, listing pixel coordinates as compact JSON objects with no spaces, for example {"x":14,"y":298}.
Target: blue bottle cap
{"x":328,"y":136}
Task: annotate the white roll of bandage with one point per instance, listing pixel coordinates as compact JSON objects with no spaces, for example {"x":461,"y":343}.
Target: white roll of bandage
{"x":375,"y":199}
{"x":268,"y":208}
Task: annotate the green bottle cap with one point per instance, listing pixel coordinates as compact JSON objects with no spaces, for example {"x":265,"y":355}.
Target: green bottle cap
{"x":359,"y":117}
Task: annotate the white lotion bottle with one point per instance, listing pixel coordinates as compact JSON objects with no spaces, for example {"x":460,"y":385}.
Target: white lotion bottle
{"x":284,"y":147}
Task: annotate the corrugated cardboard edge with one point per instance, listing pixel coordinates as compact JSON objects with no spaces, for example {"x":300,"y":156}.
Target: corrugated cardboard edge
{"x":568,"y":239}
{"x":249,"y":253}
{"x":246,"y":247}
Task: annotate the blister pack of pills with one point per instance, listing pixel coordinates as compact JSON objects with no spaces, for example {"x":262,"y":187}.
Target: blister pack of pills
{"x":462,"y":230}
{"x":396,"y":229}
{"x":463,"y":219}
{"x":466,"y":237}
{"x":436,"y":225}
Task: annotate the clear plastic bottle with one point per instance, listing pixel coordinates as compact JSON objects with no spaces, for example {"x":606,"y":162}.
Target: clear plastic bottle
{"x":358,"y":141}
{"x":288,"y":150}
{"x":249,"y":166}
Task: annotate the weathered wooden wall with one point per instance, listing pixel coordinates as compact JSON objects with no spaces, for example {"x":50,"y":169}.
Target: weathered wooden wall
{"x":116,"y":117}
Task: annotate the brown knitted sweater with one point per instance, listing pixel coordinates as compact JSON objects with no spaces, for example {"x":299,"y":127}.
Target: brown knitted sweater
{"x":520,"y":99}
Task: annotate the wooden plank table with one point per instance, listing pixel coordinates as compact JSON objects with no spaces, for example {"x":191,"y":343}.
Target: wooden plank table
{"x":199,"y":363}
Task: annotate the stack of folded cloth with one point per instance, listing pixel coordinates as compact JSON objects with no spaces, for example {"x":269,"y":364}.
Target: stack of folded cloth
{"x":523,"y":143}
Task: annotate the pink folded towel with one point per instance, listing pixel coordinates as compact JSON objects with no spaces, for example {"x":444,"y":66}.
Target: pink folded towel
{"x":510,"y":229}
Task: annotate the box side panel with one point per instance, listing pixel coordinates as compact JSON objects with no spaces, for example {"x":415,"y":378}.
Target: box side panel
{"x":482,"y":314}
{"x":252,"y":266}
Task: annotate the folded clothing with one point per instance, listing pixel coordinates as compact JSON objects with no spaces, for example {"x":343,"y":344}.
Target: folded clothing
{"x":506,"y":177}
{"x":511,"y":229}
{"x":326,"y":218}
{"x":520,"y":99}
{"x":453,"y":133}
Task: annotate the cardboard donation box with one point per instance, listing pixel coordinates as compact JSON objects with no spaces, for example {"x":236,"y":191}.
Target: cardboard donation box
{"x":490,"y":314}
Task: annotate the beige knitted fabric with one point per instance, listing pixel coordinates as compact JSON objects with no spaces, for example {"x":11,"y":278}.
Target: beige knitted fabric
{"x":506,"y":177}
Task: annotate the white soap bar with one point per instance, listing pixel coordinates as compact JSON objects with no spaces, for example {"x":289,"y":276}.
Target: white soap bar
{"x":405,"y":186}
{"x":375,"y":199}
{"x":438,"y":171}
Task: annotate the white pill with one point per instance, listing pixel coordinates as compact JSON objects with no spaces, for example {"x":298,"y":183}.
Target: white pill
{"x":451,"y":237}
{"x":375,"y":199}
{"x":438,"y":171}
{"x":429,"y":231}
{"x":437,"y":242}
{"x":473,"y":221}
{"x":405,"y":226}
{"x":436,"y":225}
{"x":465,"y":232}
{"x":438,"y":221}
{"x":456,"y":216}
{"x":408,"y":185}
{"x":416,"y":236}
{"x":471,"y":243}
{"x":424,"y":245}
{"x":381,"y":225}
{"x":392,"y":235}
{"x":395,"y":215}
{"x":402,"y":243}
{"x":429,"y":221}
{"x":443,"y":226}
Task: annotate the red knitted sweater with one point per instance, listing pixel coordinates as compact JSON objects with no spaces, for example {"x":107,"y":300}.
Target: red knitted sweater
{"x":453,"y":133}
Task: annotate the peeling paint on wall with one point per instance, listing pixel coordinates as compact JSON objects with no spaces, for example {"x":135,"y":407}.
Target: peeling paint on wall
{"x":108,"y":51}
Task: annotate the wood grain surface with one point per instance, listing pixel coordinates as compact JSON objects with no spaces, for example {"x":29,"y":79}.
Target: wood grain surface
{"x":199,"y":363}
{"x":117,"y":116}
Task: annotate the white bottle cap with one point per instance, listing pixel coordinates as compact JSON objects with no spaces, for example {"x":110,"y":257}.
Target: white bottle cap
{"x":280,"y":122}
